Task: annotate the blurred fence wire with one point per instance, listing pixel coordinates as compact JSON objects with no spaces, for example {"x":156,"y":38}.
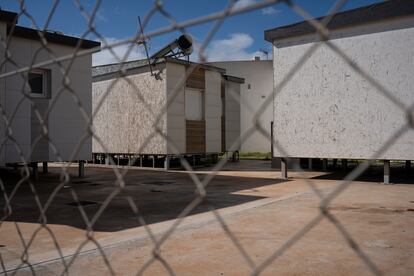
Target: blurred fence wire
{"x":11,"y":67}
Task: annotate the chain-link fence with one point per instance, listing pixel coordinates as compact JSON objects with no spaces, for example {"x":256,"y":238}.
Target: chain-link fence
{"x":14,"y":69}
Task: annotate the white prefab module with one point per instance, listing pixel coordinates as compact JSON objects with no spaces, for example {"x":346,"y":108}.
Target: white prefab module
{"x":43,"y":92}
{"x":257,"y":88}
{"x":173,"y":107}
{"x":328,"y":109}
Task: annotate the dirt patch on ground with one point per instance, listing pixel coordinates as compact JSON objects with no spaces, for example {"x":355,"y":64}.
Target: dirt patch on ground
{"x":260,"y":222}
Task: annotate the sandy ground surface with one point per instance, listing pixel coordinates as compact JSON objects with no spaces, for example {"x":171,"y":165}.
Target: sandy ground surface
{"x":255,"y":226}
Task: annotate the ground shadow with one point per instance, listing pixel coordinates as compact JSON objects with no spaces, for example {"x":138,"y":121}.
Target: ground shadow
{"x":159,"y":196}
{"x":398,"y":175}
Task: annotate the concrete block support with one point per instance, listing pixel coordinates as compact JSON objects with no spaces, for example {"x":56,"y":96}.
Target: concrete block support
{"x":45,"y":167}
{"x":167,"y":162}
{"x":283,"y":167}
{"x":81,"y":168}
{"x":387,"y":166}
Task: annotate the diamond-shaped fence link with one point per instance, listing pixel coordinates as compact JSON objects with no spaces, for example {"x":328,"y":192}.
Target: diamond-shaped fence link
{"x":12,"y":68}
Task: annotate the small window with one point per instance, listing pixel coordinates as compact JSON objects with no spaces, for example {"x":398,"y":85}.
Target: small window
{"x":38,"y":83}
{"x":193,"y":104}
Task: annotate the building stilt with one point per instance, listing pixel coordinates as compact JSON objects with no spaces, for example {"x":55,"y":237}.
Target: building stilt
{"x":81,"y":168}
{"x":310,"y":163}
{"x":387,"y":166}
{"x":324,"y":164}
{"x":45,"y":167}
{"x":344,"y":163}
{"x":283,"y":167}
{"x":408,"y":166}
{"x":167,"y":162}
{"x":35,"y":170}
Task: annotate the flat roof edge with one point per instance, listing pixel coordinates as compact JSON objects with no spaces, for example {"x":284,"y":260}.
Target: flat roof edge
{"x":8,"y":16}
{"x":378,"y":12}
{"x":201,"y":65}
{"x":106,"y":69}
{"x":234,"y":79}
{"x":51,"y":37}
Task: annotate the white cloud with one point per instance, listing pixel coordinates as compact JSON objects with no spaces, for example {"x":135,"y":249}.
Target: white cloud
{"x":270,"y":11}
{"x":233,"y":48}
{"x":244,"y":3}
{"x":106,"y":57}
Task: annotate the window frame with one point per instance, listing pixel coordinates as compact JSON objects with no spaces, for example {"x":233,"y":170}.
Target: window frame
{"x":46,"y":83}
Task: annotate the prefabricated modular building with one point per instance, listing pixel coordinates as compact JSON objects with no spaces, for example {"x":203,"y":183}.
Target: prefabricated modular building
{"x":351,"y":99}
{"x":48,"y":92}
{"x":169,"y":109}
{"x":257,"y":88}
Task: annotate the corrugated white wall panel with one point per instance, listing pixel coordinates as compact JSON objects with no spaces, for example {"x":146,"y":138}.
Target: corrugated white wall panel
{"x":176,"y":109}
{"x":213,"y":111}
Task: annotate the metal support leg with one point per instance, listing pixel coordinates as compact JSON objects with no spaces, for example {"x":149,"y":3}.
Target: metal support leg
{"x":81,"y":168}
{"x":310,"y":164}
{"x":45,"y":168}
{"x":386,"y":171}
{"x":408,"y":166}
{"x":283,"y":167}
{"x":344,"y":163}
{"x":35,"y":170}
{"x":325,"y":164}
{"x":167,"y":162}
{"x":153,"y":161}
{"x":194,"y":160}
{"x":140,"y":161}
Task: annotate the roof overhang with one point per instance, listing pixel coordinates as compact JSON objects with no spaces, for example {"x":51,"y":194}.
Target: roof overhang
{"x":8,"y":17}
{"x":52,"y":37}
{"x":101,"y":70}
{"x":369,"y":14}
{"x":233,"y":79}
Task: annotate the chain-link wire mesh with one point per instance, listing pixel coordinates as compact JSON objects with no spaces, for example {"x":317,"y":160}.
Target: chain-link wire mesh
{"x":11,"y":67}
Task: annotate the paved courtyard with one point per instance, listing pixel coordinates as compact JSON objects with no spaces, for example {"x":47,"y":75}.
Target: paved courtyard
{"x":247,"y":220}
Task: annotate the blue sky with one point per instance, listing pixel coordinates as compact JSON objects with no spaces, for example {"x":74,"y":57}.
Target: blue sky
{"x":240,"y":37}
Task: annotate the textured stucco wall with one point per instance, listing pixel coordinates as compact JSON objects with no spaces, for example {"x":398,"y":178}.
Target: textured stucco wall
{"x":213,"y":111}
{"x":259,"y":74}
{"x":66,"y":123}
{"x":125,"y":121}
{"x":328,"y":110}
{"x":176,"y":110}
{"x":232,"y":110}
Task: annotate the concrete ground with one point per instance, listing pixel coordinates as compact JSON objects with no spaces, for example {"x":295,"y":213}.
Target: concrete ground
{"x":255,"y":212}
